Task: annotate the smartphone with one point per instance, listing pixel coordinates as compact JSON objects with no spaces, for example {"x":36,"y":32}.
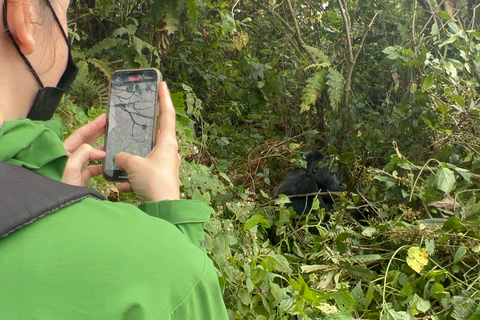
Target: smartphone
{"x":132,"y":117}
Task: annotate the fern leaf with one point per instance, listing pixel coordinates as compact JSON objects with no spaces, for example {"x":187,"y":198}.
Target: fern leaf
{"x":106,"y":43}
{"x":313,"y":90}
{"x":366,"y":258}
{"x":102,"y":66}
{"x":192,"y":11}
{"x":317,"y":53}
{"x":87,"y":92}
{"x":335,"y":87}
{"x":318,"y":65}
{"x":359,"y":272}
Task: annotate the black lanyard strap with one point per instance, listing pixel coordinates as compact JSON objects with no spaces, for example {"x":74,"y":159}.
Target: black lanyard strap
{"x":26,"y":197}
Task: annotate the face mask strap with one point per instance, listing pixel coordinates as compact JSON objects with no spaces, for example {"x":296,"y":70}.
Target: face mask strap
{"x":57,"y":20}
{"x":7,"y":30}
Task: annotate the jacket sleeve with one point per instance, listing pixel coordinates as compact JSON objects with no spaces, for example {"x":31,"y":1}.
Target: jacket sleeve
{"x":187,"y":215}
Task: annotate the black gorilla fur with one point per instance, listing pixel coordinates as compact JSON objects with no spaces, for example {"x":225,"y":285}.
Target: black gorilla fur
{"x":311,"y":180}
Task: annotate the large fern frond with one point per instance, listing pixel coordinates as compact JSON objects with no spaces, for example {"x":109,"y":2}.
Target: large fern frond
{"x":87,"y":92}
{"x":313,"y":90}
{"x":335,"y":84}
{"x":317,"y":53}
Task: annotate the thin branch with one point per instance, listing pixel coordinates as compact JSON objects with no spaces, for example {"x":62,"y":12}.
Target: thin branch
{"x":473,"y":16}
{"x":348,"y":80}
{"x":298,"y":34}
{"x":233,"y":11}
{"x":346,"y":22}
{"x":364,"y":37}
{"x":413,"y":21}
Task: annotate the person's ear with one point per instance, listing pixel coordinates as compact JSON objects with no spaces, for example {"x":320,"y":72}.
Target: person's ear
{"x":19,"y":18}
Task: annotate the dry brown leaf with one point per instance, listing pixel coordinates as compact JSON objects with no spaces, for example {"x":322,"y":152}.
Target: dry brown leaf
{"x":448,"y":203}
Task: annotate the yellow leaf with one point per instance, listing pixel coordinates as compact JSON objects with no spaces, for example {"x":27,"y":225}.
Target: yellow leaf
{"x":417,"y":258}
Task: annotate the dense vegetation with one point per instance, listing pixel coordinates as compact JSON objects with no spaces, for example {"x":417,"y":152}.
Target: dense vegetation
{"x":387,"y":89}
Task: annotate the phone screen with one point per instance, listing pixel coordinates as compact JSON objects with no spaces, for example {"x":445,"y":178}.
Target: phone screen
{"x":131,"y":117}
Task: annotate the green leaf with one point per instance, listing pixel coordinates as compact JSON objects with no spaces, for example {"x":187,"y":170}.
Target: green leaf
{"x":368,"y":232}
{"x":434,"y":30}
{"x":344,"y":300}
{"x":430,"y":245}
{"x":366,"y":258}
{"x":255,"y":220}
{"x":420,"y":304}
{"x":101,"y":65}
{"x":360,"y":272}
{"x":397,"y":315}
{"x":138,"y":45}
{"x":452,"y":39}
{"x":460,"y":254}
{"x":317,"y":53}
{"x":453,"y":27}
{"x":370,"y":293}
{"x":407,"y":290}
{"x":278,"y":293}
{"x":130,"y":30}
{"x":459,"y":100}
{"x":476,"y":314}
{"x":437,"y":291}
{"x":464,"y":173}
{"x":453,"y":224}
{"x":413,"y":88}
{"x":427,"y":82}
{"x":276,"y":263}
{"x":313,"y":90}
{"x":391,"y":52}
{"x":192,"y":11}
{"x":314,"y":268}
{"x":163,"y":8}
{"x":442,"y":14}
{"x":335,"y":87}
{"x":445,"y":180}
{"x":340,"y":242}
{"x":341,"y":316}
{"x":463,"y":307}
{"x":105,"y":44}
{"x":348,"y":158}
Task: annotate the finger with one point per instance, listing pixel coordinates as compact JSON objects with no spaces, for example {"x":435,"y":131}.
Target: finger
{"x":84,"y":154}
{"x":91,"y":171}
{"x":86,"y":134}
{"x":124,"y":161}
{"x":167,"y":117}
{"x":124,"y":187}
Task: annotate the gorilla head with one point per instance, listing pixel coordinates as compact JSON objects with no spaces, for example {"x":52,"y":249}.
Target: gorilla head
{"x":313,"y":158}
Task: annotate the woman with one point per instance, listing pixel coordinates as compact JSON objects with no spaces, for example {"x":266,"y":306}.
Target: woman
{"x":92,"y":259}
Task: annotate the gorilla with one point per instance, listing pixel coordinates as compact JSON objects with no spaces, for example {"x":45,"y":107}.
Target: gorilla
{"x":306,"y":181}
{"x":311,"y":180}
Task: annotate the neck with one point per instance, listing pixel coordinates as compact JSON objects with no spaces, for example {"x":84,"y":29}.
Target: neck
{"x":18,"y":87}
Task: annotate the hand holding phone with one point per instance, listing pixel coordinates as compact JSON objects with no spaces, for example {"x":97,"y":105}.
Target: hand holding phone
{"x":80,"y":153}
{"x":155,"y":177}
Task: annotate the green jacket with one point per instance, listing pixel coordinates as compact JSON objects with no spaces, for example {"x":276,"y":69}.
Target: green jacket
{"x":102,"y":260}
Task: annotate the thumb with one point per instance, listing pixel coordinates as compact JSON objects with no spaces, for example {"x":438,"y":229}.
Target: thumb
{"x":123,"y":160}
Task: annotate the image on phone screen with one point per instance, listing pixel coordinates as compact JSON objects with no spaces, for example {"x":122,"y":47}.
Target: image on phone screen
{"x":131,"y":116}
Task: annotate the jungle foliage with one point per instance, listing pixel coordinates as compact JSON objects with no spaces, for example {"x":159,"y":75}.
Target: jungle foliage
{"x":388,"y":89}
